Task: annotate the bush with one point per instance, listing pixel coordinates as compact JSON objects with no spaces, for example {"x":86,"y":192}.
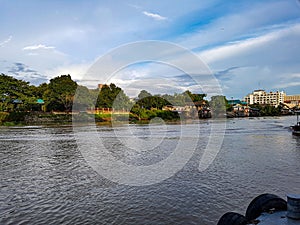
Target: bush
{"x":12,"y":118}
{"x":101,"y":117}
{"x":3,"y":116}
{"x":145,"y":114}
{"x":168,"y":115}
{"x":17,"y":116}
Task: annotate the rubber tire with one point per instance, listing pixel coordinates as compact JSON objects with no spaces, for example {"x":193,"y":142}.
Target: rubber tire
{"x":263,"y":203}
{"x":232,"y":218}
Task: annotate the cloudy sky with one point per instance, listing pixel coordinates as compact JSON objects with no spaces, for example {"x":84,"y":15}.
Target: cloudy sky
{"x":246,"y":45}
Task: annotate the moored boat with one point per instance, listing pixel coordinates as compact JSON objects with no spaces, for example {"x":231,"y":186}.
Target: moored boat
{"x":267,"y":209}
{"x":296,"y":128}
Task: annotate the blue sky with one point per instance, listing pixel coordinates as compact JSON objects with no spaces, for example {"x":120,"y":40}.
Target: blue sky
{"x":246,"y":44}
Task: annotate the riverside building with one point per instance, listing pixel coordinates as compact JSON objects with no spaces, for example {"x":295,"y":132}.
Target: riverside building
{"x":292,"y":100}
{"x":261,"y":97}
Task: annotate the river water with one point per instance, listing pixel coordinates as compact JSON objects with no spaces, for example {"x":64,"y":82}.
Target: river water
{"x":46,"y":180}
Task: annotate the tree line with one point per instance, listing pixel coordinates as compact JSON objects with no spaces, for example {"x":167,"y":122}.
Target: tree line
{"x":59,"y":95}
{"x":19,"y":95}
{"x":62,"y":92}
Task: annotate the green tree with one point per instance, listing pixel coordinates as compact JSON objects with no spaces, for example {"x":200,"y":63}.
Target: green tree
{"x":14,"y":94}
{"x":41,"y":89}
{"x":83,"y":98}
{"x":94,"y":93}
{"x":60,"y":93}
{"x":159,"y":102}
{"x":181,"y":99}
{"x":143,"y":94}
{"x":144,"y":100}
{"x":268,"y":110}
{"x":218,"y":105}
{"x":111,"y":96}
{"x":195,"y":97}
{"x":148,"y":101}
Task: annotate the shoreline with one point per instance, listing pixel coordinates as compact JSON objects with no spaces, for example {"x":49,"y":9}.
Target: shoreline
{"x":67,"y":119}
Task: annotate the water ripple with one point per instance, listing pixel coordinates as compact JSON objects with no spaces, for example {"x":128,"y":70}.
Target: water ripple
{"x":45,"y":180}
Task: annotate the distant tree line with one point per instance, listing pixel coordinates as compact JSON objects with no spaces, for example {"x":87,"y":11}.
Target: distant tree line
{"x":268,"y":110}
{"x":59,"y":95}
{"x":18,"y":95}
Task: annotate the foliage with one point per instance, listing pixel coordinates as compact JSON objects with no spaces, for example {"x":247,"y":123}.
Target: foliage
{"x":12,"y":118}
{"x":178,"y":99}
{"x":149,"y":106}
{"x":218,"y":105}
{"x":111,"y":96}
{"x":195,"y":97}
{"x":147,"y":114}
{"x":152,"y":102}
{"x":183,"y":99}
{"x":17,"y":116}
{"x":148,"y":101}
{"x":143,"y":94}
{"x":103,"y":116}
{"x":268,"y":110}
{"x":3,"y":116}
{"x":167,"y":115}
{"x":83,"y":98}
{"x":40,"y":90}
{"x":13,"y":92}
{"x":94,"y":95}
{"x":60,"y":93}
{"x":228,"y":104}
{"x":18,"y":97}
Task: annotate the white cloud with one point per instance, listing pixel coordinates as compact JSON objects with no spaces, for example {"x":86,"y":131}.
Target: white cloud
{"x":156,"y":85}
{"x":247,"y":22}
{"x":6,"y":41}
{"x":37,"y":47}
{"x":269,"y":61}
{"x":158,"y":78}
{"x":290,"y":84}
{"x":288,"y":80}
{"x":154,"y":16}
{"x":134,"y":6}
{"x":76,"y":71}
{"x":233,"y":49}
{"x":236,"y":48}
{"x":295,"y":75}
{"x":262,"y":30}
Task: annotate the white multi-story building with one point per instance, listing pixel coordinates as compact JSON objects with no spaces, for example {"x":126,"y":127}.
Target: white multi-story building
{"x":263,"y":98}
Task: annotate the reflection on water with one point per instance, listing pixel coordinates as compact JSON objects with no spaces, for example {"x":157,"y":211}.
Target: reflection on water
{"x":45,"y":180}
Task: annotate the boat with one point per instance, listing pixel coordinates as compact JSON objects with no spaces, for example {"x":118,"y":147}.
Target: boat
{"x":267,"y":209}
{"x":296,"y":128}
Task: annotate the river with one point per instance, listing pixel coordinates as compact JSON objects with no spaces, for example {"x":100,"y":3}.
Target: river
{"x":46,"y":180}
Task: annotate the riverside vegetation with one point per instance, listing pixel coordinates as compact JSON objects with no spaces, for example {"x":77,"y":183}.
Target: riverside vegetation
{"x":23,"y":103}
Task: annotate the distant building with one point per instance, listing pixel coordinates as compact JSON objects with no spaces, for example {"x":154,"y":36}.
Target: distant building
{"x":292,"y":101}
{"x":236,"y":101}
{"x":261,"y":97}
{"x":100,"y":86}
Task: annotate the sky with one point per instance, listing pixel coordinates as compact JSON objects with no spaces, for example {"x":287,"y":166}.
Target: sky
{"x":246,"y":45}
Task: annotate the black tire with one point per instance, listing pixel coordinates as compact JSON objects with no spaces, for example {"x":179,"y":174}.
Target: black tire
{"x":232,"y":218}
{"x":264,"y":203}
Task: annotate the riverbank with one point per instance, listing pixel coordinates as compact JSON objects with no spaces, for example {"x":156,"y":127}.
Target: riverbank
{"x":48,"y":118}
{"x":63,"y":118}
{"x":33,"y":118}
